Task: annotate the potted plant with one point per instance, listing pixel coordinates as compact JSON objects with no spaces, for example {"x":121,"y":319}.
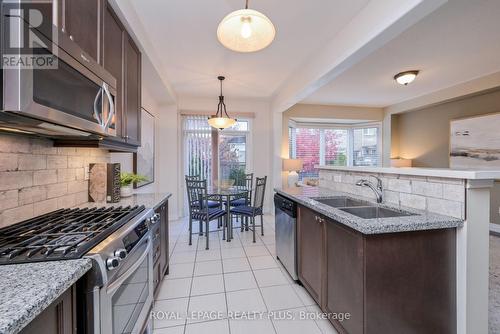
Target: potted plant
{"x":126,"y":181}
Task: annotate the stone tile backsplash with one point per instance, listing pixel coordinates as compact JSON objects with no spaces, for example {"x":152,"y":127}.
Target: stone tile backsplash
{"x":36,"y":178}
{"x":438,"y":195}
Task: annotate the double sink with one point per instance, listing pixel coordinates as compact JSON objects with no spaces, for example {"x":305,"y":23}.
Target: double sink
{"x":361,"y":209}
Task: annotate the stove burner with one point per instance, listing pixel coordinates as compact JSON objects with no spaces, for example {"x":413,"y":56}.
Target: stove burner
{"x":61,"y":234}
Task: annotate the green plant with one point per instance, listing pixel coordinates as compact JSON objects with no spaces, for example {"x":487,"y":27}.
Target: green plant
{"x":127,"y":179}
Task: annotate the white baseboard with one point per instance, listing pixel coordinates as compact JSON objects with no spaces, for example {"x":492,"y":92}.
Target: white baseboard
{"x":495,"y":228}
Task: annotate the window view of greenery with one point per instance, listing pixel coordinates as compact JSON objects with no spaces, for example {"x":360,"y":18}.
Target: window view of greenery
{"x":330,"y":146}
{"x":231,"y":161}
{"x":232,"y":157}
{"x":318,"y":147}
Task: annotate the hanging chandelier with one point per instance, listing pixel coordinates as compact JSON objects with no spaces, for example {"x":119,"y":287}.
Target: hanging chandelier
{"x":221,"y":119}
{"x":246,"y":30}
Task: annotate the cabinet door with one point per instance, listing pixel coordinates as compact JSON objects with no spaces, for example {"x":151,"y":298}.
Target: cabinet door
{"x":163,"y":210}
{"x":113,"y":61}
{"x":132,"y":92}
{"x":82,"y":24}
{"x":310,"y":252}
{"x":345,"y":276}
{"x":58,"y":318}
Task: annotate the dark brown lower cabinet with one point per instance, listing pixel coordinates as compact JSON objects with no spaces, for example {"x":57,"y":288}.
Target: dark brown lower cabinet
{"x":163,"y":211}
{"x":160,"y":246}
{"x":345,"y":276}
{"x":311,"y":249}
{"x":58,"y":318}
{"x":401,"y":282}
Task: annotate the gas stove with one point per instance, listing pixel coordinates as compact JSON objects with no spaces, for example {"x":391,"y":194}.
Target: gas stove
{"x":62,"y":234}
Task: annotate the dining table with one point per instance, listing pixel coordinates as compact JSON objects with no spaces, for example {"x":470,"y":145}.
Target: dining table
{"x":227,"y":195}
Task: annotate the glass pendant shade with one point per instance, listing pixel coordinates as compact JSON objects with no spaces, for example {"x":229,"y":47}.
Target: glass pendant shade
{"x":246,"y":30}
{"x":221,"y":122}
{"x":221,"y":119}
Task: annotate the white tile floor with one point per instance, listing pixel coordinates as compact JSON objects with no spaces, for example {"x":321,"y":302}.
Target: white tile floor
{"x":236,"y":276}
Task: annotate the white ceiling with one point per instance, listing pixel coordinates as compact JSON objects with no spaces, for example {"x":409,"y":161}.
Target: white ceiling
{"x":183,"y":34}
{"x":456,"y":43}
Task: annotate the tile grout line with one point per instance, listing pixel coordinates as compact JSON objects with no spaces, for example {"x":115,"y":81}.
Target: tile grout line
{"x":191,"y":285}
{"x":260,"y":291}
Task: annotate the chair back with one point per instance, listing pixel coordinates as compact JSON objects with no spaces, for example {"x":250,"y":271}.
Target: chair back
{"x":260,"y":190}
{"x":247,"y":183}
{"x":192,"y":177}
{"x":197,"y":195}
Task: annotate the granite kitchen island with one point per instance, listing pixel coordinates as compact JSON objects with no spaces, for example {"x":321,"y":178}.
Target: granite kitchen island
{"x":463,"y":196}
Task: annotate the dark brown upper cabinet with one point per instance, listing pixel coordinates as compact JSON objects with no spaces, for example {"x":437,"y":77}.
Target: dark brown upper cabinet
{"x":81,"y":21}
{"x":122,"y":58}
{"x":132,"y":114}
{"x":113,"y":61}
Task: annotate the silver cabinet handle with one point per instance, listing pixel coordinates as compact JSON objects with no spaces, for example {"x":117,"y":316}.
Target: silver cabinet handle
{"x":71,"y":37}
{"x":111,"y":105}
{"x":97,"y":114}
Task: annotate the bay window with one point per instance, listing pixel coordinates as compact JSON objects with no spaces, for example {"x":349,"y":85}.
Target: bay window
{"x":334,"y":145}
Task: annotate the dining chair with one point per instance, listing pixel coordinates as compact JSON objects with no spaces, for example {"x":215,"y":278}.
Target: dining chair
{"x":199,"y":210}
{"x":211,"y":204}
{"x":257,"y":209}
{"x":246,"y":182}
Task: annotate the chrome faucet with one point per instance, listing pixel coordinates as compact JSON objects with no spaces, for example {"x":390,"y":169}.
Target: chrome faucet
{"x":378,"y":189}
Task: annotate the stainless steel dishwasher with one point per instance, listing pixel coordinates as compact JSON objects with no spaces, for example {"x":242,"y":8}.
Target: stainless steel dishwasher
{"x":286,"y":233}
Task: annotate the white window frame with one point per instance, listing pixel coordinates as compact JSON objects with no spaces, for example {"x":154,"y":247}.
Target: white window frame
{"x":350,"y":137}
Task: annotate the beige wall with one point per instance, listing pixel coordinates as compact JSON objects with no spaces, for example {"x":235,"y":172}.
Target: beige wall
{"x":324,"y":112}
{"x":423,"y":135}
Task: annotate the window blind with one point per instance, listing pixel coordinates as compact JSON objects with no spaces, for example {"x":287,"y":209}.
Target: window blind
{"x":197,"y":146}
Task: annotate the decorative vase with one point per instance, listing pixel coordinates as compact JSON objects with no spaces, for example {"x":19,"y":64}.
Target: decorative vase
{"x":126,"y":191}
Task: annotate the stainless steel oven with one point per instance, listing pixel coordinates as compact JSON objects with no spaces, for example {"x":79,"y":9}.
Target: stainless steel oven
{"x":76,"y":92}
{"x":120,"y":288}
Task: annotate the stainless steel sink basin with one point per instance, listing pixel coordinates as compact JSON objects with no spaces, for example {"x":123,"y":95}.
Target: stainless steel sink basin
{"x":370,"y":212}
{"x":340,"y":202}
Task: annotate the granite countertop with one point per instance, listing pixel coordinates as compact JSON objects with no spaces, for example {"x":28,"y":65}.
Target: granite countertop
{"x":27,"y":289}
{"x":151,"y":200}
{"x":421,"y":220}
{"x":453,"y":173}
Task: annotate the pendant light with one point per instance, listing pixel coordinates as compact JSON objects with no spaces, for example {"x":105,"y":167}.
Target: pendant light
{"x":221,"y":119}
{"x":246,"y":30}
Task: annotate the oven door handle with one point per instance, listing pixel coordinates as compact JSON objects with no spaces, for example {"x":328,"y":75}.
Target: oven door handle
{"x":119,"y":281}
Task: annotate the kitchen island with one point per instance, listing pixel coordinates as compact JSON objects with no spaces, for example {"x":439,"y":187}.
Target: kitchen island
{"x":26,"y":290}
{"x":382,"y":274}
{"x":458,"y":194}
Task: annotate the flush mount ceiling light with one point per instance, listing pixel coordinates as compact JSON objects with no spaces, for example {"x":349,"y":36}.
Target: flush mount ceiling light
{"x":404,"y":78}
{"x":221,"y":119}
{"x":246,"y":30}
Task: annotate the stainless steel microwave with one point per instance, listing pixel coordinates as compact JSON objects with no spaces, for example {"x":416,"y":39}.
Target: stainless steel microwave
{"x":76,"y":97}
